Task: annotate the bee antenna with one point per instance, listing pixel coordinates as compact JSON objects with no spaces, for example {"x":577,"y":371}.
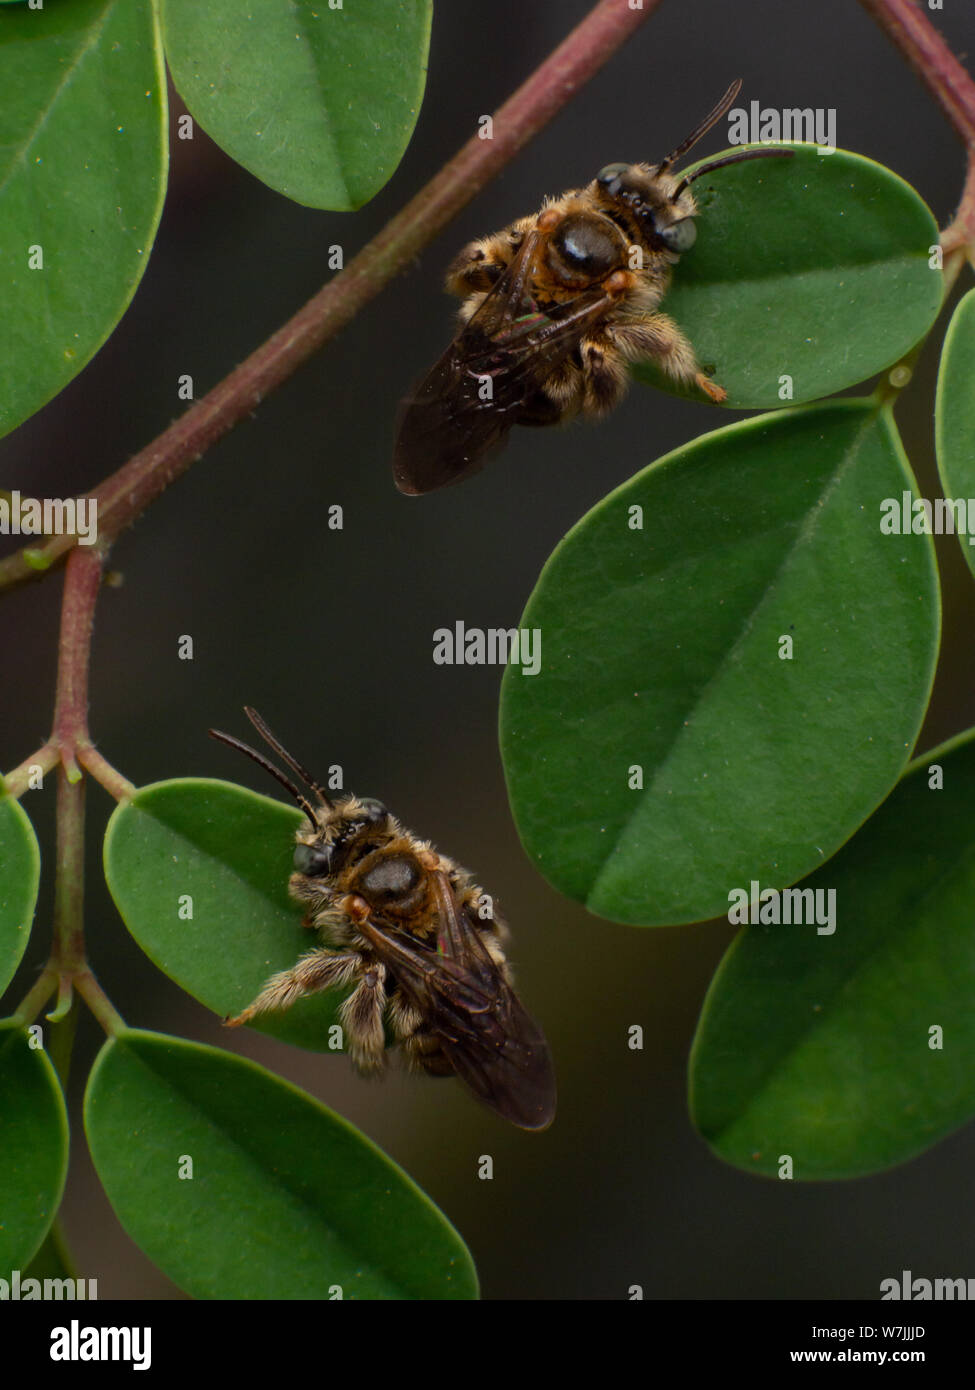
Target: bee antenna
{"x":729,"y":159}
{"x":268,"y":766}
{"x":709,"y":120}
{"x":271,"y":739}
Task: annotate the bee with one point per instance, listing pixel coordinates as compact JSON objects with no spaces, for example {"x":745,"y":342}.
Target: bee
{"x":555,"y":309}
{"x":418,"y":941}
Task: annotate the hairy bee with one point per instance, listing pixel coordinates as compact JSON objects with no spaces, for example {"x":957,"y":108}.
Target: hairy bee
{"x":407,"y":928}
{"x":555,"y":309}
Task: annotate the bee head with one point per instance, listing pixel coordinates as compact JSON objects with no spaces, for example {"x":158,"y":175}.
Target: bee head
{"x":659,"y":201}
{"x":334,"y":826}
{"x":351,"y":827}
{"x":665,"y":219}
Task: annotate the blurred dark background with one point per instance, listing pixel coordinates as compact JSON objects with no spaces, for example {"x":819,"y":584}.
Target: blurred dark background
{"x":329,"y":633}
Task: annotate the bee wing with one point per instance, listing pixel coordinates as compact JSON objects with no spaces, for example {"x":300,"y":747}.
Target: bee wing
{"x":454,"y":422}
{"x":490,"y":1040}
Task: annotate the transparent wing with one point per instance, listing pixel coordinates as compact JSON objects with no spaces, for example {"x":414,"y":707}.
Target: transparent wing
{"x":463,"y":410}
{"x":490,"y":1040}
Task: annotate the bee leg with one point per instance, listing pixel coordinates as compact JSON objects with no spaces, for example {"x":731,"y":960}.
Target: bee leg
{"x":604,"y":375}
{"x":658,"y":338}
{"x":473,"y":271}
{"x":362,"y":1018}
{"x":319,"y":970}
{"x":421,"y":1049}
{"x":558,"y":400}
{"x":481,"y":264}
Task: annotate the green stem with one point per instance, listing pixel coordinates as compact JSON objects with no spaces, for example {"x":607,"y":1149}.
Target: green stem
{"x":18,"y":781}
{"x":99,"y":1003}
{"x":126,"y":494}
{"x":36,"y":997}
{"x":60,"y":1041}
{"x":103,"y":772}
{"x":68,"y":953}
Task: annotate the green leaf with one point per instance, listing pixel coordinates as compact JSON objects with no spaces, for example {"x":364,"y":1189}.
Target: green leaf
{"x":20,"y":872}
{"x":818,"y":1046}
{"x":813,"y":268}
{"x":229,"y":852}
{"x":82,"y":177}
{"x":53,"y":1259}
{"x":286,"y":1200}
{"x":318,"y":102}
{"x":660,"y":650}
{"x":33,"y":1147}
{"x":954,"y":420}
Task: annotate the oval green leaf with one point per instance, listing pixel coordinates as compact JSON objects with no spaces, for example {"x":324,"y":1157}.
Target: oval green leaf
{"x":53,"y":1259}
{"x":954,"y":423}
{"x":82,"y":180}
{"x":821,"y":1046}
{"x":808,"y":275}
{"x":286,"y":1200}
{"x":319,"y":102}
{"x":33,"y":1148}
{"x":660,"y":652}
{"x":20,"y":873}
{"x":224,"y":853}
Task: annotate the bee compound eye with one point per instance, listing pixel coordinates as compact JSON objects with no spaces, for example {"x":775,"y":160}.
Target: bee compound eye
{"x":313,"y":860}
{"x":679,"y":236}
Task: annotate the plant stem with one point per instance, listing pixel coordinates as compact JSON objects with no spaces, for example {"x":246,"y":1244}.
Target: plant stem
{"x":122,"y":497}
{"x":18,"y":781}
{"x":70,"y":745}
{"x":909,"y":28}
{"x":68,"y":954}
{"x":99,"y":1003}
{"x":60,"y":1040}
{"x":70,"y":742}
{"x":961,"y":233}
{"x":948,"y":82}
{"x":103,"y":772}
{"x":82,"y":581}
{"x":36,"y":997}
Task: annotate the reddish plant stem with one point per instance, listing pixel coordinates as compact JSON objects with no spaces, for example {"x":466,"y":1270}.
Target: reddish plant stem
{"x":126,"y":494}
{"x":948,"y":82}
{"x":70,"y":741}
{"x":82,"y":581}
{"x":919,"y":41}
{"x":70,"y":737}
{"x":961,"y":233}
